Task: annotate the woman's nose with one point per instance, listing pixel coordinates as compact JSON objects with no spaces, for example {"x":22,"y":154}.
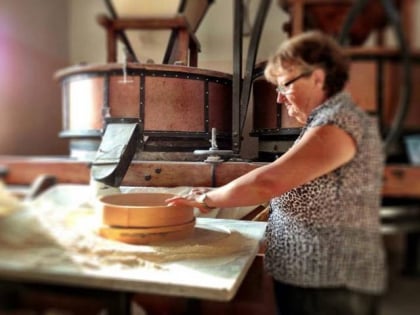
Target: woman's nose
{"x":280,"y":98}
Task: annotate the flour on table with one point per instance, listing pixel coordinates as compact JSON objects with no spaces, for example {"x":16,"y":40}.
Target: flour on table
{"x":64,"y":234}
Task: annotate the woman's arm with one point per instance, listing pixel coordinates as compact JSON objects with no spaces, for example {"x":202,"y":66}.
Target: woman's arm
{"x":320,"y":151}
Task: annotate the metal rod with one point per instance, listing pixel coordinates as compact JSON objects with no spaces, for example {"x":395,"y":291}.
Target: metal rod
{"x":252,"y":55}
{"x":237,"y":74}
{"x":406,"y":87}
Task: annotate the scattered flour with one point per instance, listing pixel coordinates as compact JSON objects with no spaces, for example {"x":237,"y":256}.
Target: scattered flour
{"x":55,"y":231}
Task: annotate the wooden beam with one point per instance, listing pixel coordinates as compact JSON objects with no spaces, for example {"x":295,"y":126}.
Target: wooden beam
{"x":400,"y":180}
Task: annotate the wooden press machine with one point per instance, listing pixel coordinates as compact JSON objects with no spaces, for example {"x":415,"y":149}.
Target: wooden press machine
{"x":174,"y":124}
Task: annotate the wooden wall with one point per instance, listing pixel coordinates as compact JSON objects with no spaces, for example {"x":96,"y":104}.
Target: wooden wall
{"x":33,"y":45}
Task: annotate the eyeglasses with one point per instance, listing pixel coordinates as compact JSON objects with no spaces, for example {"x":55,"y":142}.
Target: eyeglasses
{"x":284,"y":88}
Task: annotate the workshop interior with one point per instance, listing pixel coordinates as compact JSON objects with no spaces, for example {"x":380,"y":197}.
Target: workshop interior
{"x":106,"y":104}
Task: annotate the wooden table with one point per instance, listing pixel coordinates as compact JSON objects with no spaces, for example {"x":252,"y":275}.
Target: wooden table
{"x":197,"y":275}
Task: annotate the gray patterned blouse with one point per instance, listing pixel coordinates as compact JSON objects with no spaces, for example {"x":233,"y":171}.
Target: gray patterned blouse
{"x":326,"y":233}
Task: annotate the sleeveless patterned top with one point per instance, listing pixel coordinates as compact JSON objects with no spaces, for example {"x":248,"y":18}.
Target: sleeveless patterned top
{"x":326,"y":233}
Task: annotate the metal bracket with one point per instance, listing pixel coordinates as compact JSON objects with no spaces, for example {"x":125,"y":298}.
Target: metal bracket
{"x":116,"y":151}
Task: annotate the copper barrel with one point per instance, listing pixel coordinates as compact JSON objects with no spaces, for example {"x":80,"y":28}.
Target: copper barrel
{"x":176,"y":106}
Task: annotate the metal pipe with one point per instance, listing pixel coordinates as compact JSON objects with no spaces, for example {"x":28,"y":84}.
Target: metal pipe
{"x":252,"y":55}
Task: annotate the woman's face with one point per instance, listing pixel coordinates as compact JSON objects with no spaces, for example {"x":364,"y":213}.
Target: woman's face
{"x":299,"y":91}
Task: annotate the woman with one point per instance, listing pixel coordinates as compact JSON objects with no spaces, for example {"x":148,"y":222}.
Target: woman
{"x":324,"y":248}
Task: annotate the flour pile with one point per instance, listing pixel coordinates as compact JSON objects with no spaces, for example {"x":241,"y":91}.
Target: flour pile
{"x":60,"y":229}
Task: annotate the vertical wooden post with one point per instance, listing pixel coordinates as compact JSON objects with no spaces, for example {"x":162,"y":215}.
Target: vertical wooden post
{"x":297,"y":17}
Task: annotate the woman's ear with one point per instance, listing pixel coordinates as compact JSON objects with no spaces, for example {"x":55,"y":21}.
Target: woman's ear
{"x":319,"y":77}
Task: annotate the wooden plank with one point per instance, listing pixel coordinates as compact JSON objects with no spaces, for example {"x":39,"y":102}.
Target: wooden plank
{"x":24,"y":170}
{"x":154,"y":23}
{"x":400,"y":180}
{"x":168,"y":174}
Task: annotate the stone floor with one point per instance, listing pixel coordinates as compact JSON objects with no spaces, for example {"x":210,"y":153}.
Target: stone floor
{"x":403,"y":294}
{"x":403,"y":297}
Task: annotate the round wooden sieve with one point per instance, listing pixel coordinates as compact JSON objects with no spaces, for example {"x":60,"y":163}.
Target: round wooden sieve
{"x":143,"y":236}
{"x":142,"y":210}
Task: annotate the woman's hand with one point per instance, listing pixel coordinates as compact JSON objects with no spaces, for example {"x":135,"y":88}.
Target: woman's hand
{"x":191,"y":199}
